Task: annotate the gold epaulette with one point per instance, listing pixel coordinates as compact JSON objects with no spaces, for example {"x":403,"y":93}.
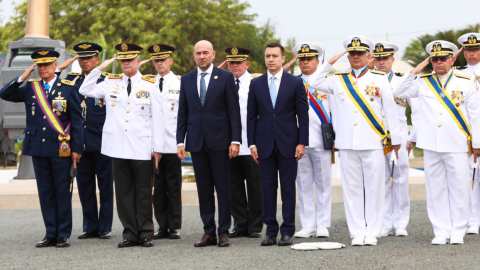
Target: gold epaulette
{"x":149,"y":78}
{"x":67,"y":82}
{"x":34,"y":80}
{"x":399,"y":74}
{"x":256,"y":75}
{"x":426,"y":75}
{"x":377,"y":72}
{"x":342,"y":73}
{"x":74,"y":74}
{"x":105,"y":74}
{"x":179,"y":77}
{"x":115,"y":76}
{"x":462,"y":76}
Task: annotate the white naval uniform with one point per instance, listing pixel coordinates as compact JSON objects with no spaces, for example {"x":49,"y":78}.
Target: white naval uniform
{"x":445,"y":151}
{"x":361,"y":149}
{"x":474,"y":217}
{"x":315,"y":169}
{"x":170,"y":96}
{"x":243,"y":99}
{"x":131,"y":120}
{"x":397,"y":201}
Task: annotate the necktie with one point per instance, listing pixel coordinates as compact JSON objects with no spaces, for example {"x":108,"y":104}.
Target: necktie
{"x":203,"y":88}
{"x":238,"y":84}
{"x":273,"y":91}
{"x":160,"y":85}
{"x":129,"y":87}
{"x":46,"y":87}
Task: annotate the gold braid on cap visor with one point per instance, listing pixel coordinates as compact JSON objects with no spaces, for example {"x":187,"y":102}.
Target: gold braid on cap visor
{"x":357,"y":48}
{"x":307,"y":54}
{"x":44,"y":60}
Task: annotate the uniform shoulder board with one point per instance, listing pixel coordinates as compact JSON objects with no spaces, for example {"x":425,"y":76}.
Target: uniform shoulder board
{"x":256,"y":75}
{"x":34,"y":80}
{"x":426,"y":75}
{"x":377,"y":72}
{"x":399,"y":74}
{"x":462,"y":76}
{"x":74,"y":74}
{"x":115,"y":76}
{"x":105,"y":74}
{"x":459,"y":68}
{"x":342,"y":73}
{"x":67,"y":82}
{"x":179,"y":77}
{"x":149,"y":78}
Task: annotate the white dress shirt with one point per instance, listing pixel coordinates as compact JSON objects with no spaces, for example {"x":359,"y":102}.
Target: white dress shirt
{"x":278,"y":79}
{"x":206,"y":78}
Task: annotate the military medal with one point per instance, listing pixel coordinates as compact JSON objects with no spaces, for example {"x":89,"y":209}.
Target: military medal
{"x":33,"y":109}
{"x":372,"y":99}
{"x":143,"y":108}
{"x":457,"y":104}
{"x":442,"y":95}
{"x":363,"y":72}
{"x":355,"y":83}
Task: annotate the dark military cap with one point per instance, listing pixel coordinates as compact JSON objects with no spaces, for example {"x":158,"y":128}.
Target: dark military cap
{"x":127,"y":51}
{"x":43,"y":56}
{"x":237,"y":54}
{"x":160,"y":51}
{"x":87,"y":49}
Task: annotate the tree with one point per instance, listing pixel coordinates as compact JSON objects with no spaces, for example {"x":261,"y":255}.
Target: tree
{"x":415,"y":52}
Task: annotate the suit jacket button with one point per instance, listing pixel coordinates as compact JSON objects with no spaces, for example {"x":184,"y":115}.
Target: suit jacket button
{"x":43,"y":140}
{"x":355,"y":124}
{"x":44,"y":117}
{"x":84,"y":126}
{"x":44,"y":128}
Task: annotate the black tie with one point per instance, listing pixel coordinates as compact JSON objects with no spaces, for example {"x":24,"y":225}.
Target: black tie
{"x":160,"y":85}
{"x":238,"y":84}
{"x":129,"y":87}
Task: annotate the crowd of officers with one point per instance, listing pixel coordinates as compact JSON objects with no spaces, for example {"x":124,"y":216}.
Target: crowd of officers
{"x":124,"y":127}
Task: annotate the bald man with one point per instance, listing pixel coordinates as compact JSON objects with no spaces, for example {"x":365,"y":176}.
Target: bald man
{"x":209,"y":118}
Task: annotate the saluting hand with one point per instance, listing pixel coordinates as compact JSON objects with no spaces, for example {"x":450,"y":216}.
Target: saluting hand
{"x":335,"y":58}
{"x":254,"y":152}
{"x":67,"y":63}
{"x":290,"y":64}
{"x":27,"y":72}
{"x":457,"y":54}
{"x":142,"y":63}
{"x":222,"y":64}
{"x":233,"y":150}
{"x":396,"y":148}
{"x":181,"y":152}
{"x":76,"y":158}
{"x":420,"y":67}
{"x":106,"y":63}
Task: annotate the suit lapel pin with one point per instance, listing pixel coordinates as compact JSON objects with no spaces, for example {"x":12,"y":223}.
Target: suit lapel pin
{"x":216,"y":77}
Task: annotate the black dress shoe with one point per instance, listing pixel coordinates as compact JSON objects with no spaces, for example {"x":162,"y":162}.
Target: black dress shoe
{"x":285,"y":241}
{"x":269,"y":240}
{"x":174,"y":234}
{"x":105,"y":235}
{"x":145,"y":242}
{"x":47,"y":242}
{"x":161,"y":234}
{"x":127,"y":243}
{"x":255,"y":235}
{"x":87,"y":235}
{"x":237,"y":234}
{"x":62,"y":242}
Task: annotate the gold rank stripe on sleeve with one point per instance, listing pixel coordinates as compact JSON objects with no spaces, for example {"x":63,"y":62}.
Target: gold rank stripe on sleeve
{"x":462,"y":76}
{"x":149,"y":78}
{"x":74,"y":74}
{"x":34,"y":80}
{"x":115,"y":76}
{"x":67,"y":82}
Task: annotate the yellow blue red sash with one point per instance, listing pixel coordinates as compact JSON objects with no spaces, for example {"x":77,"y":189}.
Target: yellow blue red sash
{"x":367,"y":112}
{"x":317,"y":107}
{"x":442,"y":95}
{"x":55,"y":123}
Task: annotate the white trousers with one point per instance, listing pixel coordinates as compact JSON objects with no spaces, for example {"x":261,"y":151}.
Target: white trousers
{"x":447,"y":186}
{"x":474,"y":199}
{"x":397,"y":201}
{"x":363,"y":175}
{"x":315,"y":169}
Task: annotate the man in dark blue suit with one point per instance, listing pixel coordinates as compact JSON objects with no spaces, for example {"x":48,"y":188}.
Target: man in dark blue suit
{"x":209,"y":116}
{"x":276,"y":102}
{"x":54,"y":133}
{"x":96,"y":224}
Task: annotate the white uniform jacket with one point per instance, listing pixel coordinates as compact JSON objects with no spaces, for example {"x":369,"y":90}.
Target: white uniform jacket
{"x":243,"y":99}
{"x":170,"y":96}
{"x":131,"y":120}
{"x":436,"y":129}
{"x":352,"y":131}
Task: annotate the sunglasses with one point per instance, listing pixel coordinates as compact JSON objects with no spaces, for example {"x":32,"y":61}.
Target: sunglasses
{"x":441,"y":59}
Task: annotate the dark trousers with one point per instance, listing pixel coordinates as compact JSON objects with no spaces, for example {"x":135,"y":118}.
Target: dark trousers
{"x":167,"y":194}
{"x":212,"y":173}
{"x":246,"y":204}
{"x":269,"y":169}
{"x":133,"y":186}
{"x":91,"y":164}
{"x":54,"y":192}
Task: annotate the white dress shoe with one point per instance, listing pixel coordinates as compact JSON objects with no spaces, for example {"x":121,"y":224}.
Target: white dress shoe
{"x":387,"y":232}
{"x":370,"y":240}
{"x":305,"y":233}
{"x":439,"y":241}
{"x":322,"y":233}
{"x":456,"y":240}
{"x":358,"y":240}
{"x":472,"y":229}
{"x":401,"y":232}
